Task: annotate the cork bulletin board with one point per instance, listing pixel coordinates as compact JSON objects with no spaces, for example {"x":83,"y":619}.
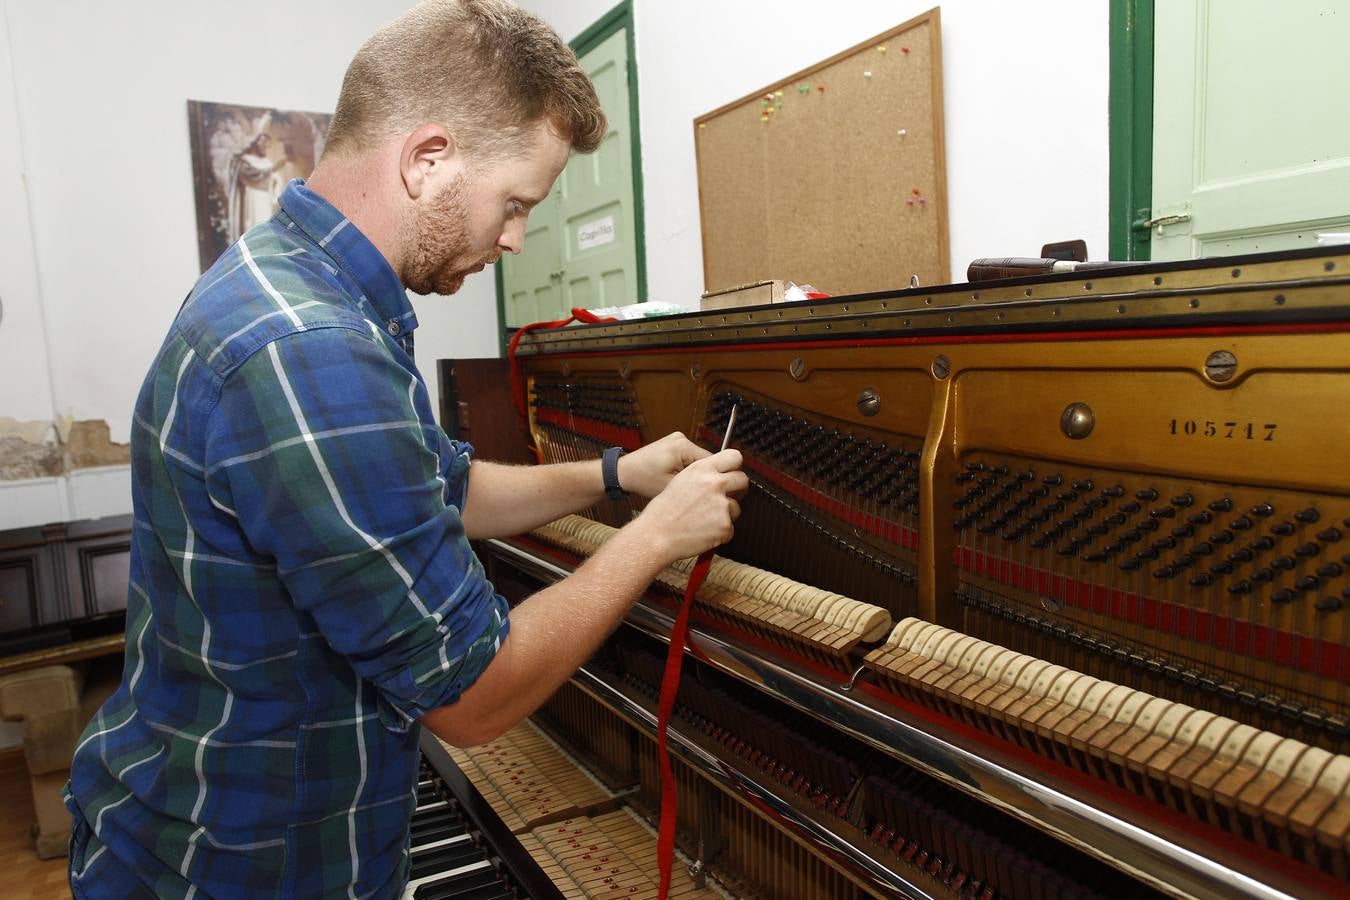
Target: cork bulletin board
{"x":833,"y":176}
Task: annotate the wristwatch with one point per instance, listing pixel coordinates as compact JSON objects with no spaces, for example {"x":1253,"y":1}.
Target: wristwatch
{"x":609,"y":471}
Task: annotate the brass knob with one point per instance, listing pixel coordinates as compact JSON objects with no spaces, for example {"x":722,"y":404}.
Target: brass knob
{"x":1077,"y":421}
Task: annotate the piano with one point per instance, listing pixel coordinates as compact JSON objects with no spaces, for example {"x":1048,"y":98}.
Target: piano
{"x":63,"y":591}
{"x":1040,"y":590}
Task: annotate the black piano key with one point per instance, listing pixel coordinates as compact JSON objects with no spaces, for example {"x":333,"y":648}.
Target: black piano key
{"x":484,"y":882}
{"x":442,"y":859}
{"x":435,"y":822}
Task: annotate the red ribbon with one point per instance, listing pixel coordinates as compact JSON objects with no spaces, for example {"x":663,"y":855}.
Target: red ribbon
{"x":670,"y":684}
{"x":517,"y":377}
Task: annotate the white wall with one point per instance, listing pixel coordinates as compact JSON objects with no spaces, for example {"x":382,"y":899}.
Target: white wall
{"x":97,"y":223}
{"x":1025,"y":88}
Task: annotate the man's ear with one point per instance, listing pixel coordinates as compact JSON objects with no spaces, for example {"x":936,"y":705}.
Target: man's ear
{"x":429,"y":153}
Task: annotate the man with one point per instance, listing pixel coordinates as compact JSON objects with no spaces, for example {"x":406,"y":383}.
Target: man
{"x":303,"y":594}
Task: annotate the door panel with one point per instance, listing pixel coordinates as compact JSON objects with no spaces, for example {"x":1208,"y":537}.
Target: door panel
{"x":1248,"y":149}
{"x":581,"y":243}
{"x":599,"y":246}
{"x":530,"y":281}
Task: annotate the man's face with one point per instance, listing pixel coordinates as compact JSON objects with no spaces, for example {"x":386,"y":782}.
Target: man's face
{"x":468,"y":223}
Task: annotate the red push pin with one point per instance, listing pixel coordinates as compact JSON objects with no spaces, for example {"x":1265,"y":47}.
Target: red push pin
{"x":821,"y":88}
{"x":904,"y":49}
{"x":914,"y":191}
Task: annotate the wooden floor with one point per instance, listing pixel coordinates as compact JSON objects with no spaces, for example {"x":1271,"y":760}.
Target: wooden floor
{"x":25,"y":876}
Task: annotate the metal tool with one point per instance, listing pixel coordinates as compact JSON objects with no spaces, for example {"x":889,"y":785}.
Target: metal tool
{"x":731,"y":421}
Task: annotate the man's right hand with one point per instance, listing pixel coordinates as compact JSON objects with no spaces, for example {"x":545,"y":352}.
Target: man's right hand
{"x":696,"y":510}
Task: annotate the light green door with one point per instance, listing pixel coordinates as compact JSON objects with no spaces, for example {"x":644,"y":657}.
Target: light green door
{"x":532,"y":281}
{"x":581,"y":244}
{"x":1251,"y":140}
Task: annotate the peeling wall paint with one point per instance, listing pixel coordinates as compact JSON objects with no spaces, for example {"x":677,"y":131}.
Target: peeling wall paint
{"x":47,"y":449}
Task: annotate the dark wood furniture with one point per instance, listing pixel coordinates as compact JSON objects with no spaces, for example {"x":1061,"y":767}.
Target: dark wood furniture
{"x":63,"y":584}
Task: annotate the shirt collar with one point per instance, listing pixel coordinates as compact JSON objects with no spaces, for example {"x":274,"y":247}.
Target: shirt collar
{"x":354,"y":254}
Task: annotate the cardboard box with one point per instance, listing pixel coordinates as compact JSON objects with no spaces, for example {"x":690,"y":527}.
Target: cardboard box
{"x":758,"y":293}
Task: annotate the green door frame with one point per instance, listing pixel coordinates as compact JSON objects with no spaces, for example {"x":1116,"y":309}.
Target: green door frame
{"x":1131,"y":114}
{"x":620,"y":17}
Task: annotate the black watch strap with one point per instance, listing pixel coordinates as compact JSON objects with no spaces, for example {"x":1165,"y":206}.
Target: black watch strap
{"x":609,"y":471}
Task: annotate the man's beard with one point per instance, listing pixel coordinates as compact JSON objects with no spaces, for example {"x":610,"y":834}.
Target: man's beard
{"x":440,"y":240}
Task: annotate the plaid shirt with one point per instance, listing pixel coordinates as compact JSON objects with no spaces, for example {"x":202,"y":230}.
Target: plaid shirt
{"x":301,"y":587}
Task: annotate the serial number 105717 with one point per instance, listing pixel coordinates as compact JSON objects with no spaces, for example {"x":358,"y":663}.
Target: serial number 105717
{"x":1247,"y":431}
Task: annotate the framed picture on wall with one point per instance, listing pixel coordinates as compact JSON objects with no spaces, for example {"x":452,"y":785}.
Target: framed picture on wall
{"x":242,"y":157}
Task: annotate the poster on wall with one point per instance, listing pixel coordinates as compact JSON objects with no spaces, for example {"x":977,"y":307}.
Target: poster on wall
{"x":242,"y":157}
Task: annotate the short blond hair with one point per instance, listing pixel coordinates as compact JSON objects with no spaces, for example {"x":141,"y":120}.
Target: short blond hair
{"x":486,"y":69}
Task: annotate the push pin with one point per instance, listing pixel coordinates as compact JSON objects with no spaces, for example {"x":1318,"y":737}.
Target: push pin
{"x":904,"y":50}
{"x":909,"y":201}
{"x":881,"y":49}
{"x":821,"y":88}
{"x":902,"y":132}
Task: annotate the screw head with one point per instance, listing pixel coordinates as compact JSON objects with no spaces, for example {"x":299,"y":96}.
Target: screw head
{"x":1221,"y":366}
{"x":942,"y":367}
{"x":1077,"y":421}
{"x":869,"y":402}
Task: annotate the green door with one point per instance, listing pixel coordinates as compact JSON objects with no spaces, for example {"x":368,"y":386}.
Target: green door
{"x":531,"y":282}
{"x":1251,"y":143}
{"x":581,"y":243}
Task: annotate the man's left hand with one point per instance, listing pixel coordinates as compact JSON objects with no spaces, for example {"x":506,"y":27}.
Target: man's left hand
{"x":647,"y":470}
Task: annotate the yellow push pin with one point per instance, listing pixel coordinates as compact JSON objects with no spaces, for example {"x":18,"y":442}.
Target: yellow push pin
{"x":881,"y":49}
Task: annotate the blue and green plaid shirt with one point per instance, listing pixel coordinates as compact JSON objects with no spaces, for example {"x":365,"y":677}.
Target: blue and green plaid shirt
{"x":301,"y":587}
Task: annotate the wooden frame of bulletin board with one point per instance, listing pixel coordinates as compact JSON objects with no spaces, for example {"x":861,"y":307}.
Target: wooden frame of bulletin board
{"x":834,"y":176}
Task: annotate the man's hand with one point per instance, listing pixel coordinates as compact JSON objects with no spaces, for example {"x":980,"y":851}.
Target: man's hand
{"x":647,"y":470}
{"x":696,"y":510}
{"x":555,"y":630}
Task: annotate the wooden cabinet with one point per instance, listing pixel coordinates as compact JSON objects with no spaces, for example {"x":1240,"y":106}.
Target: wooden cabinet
{"x":64,"y":581}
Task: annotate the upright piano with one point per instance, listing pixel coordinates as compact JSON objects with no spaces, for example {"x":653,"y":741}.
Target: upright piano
{"x":1040,"y":590}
